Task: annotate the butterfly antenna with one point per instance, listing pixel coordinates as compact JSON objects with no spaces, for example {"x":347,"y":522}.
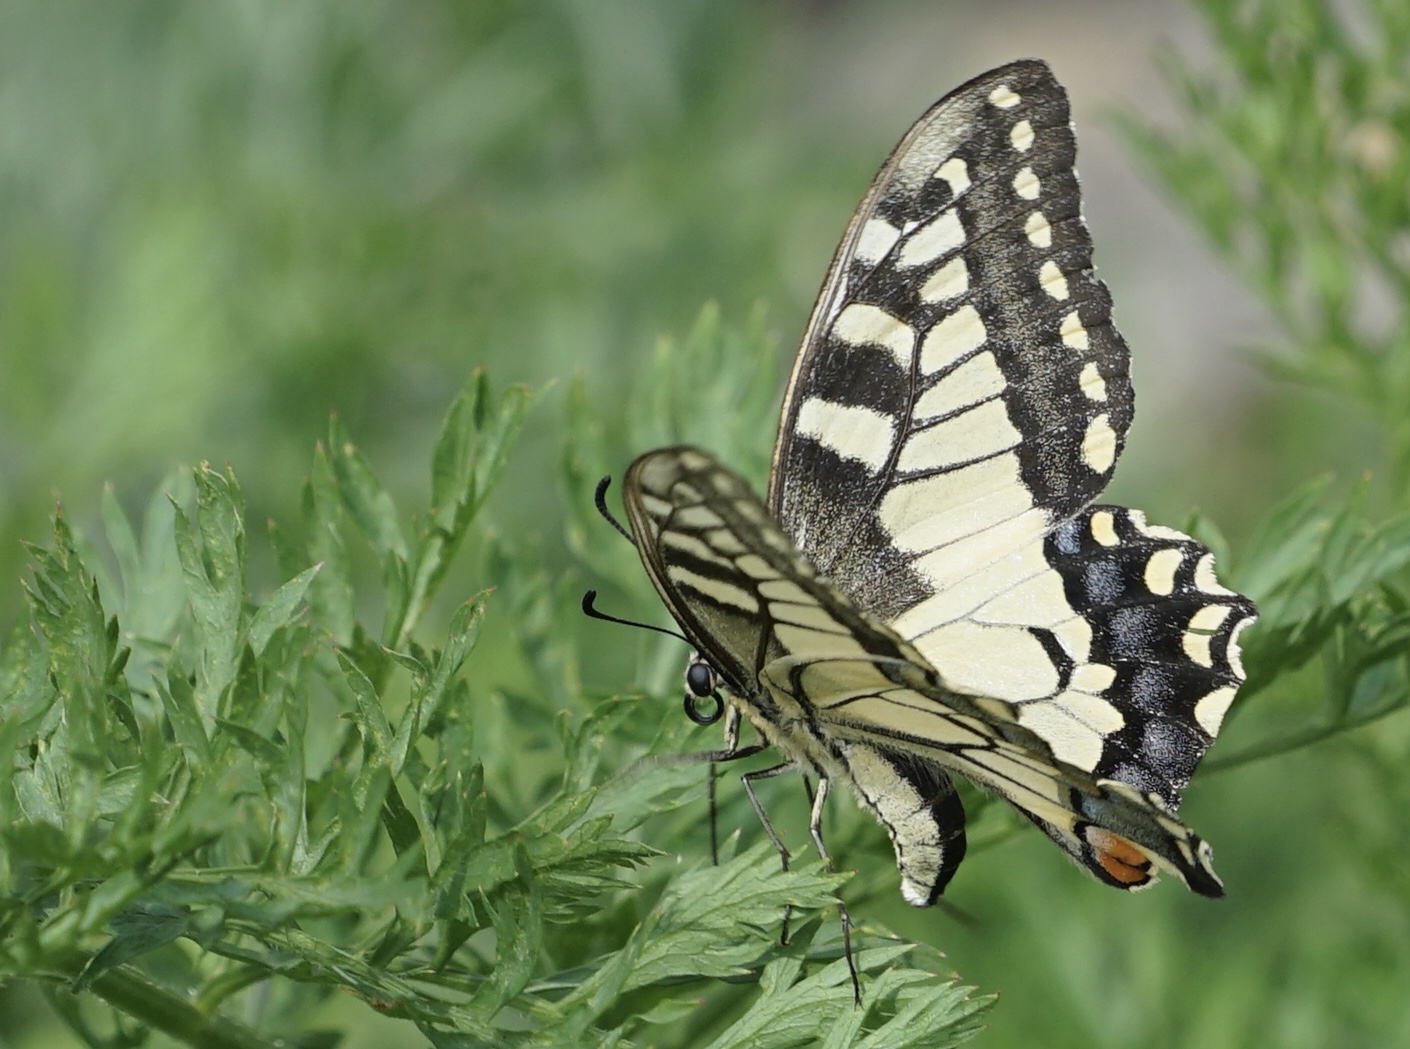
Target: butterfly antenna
{"x":600,"y":498}
{"x":590,"y":610}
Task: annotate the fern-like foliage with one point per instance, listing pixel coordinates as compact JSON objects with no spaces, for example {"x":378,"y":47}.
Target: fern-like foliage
{"x":213,"y":792}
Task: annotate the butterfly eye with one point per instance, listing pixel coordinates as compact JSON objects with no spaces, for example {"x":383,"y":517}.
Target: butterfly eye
{"x":700,"y":678}
{"x":702,"y":683}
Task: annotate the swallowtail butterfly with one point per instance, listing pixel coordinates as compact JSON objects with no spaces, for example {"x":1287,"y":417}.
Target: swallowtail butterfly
{"x":928,"y":588}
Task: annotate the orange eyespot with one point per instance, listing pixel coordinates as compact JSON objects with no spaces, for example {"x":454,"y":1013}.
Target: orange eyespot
{"x":1125,"y":863}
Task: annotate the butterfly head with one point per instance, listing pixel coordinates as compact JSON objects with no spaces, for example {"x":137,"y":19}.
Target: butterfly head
{"x":702,"y":682}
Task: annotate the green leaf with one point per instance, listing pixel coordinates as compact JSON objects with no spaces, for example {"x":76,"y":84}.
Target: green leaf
{"x":366,"y":501}
{"x":280,"y":609}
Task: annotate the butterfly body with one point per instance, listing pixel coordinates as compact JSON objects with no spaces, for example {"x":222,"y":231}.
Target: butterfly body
{"x":927,"y":588}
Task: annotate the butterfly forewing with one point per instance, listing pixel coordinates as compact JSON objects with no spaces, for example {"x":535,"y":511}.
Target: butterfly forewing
{"x":751,"y":603}
{"x":960,"y":387}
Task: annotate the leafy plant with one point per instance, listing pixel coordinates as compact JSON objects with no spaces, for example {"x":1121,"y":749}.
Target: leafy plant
{"x":213,"y":793}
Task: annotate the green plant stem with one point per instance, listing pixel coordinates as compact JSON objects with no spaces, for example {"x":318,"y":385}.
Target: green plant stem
{"x":1294,"y":742}
{"x":133,"y":993}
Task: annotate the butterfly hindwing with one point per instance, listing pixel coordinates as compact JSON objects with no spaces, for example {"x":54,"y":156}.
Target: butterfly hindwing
{"x":1163,"y":642}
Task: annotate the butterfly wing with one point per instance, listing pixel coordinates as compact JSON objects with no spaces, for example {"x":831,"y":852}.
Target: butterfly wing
{"x":747,"y":599}
{"x":960,"y":398}
{"x":960,"y":387}
{"x":843,"y":694}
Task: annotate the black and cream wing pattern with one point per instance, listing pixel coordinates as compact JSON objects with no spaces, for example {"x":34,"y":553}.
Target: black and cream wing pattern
{"x":928,"y":587}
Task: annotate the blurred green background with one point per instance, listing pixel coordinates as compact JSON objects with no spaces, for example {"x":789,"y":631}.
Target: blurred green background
{"x":222,"y":220}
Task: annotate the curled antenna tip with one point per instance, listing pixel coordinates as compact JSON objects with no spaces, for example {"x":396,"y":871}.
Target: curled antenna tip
{"x":600,"y":499}
{"x":590,"y":610}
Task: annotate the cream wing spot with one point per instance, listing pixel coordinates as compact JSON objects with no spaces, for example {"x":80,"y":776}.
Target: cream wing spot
{"x":1232,"y":652}
{"x":1103,"y":528}
{"x":1160,"y":570}
{"x":1092,"y":677}
{"x":756,"y":567}
{"x":696,"y":547}
{"x":781,"y":589}
{"x":725,"y":541}
{"x":1206,"y":580}
{"x":1040,"y":233}
{"x":1210,"y":709}
{"x":1210,"y":618}
{"x":655,"y":505}
{"x":956,"y":172}
{"x":1196,"y":646}
{"x":752,"y":511}
{"x":938,"y":237}
{"x":1004,"y":97}
{"x":862,"y":324}
{"x":696,"y":518}
{"x":948,"y":282}
{"x":878,"y":237}
{"x":808,"y":641}
{"x":1053,"y":281}
{"x":1173,"y":535}
{"x":1091,"y":381}
{"x":974,"y":434}
{"x":1099,"y":445}
{"x":1026,"y":184}
{"x":812,"y":616}
{"x":1075,"y":637}
{"x":1093,"y":711}
{"x":1074,"y":335}
{"x":1021,"y":136}
{"x":850,"y":430}
{"x":955,"y":336}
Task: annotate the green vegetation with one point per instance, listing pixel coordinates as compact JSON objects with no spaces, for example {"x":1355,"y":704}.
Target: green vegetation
{"x":256,"y":766}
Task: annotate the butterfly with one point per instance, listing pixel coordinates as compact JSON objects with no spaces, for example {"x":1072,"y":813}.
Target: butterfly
{"x":928,"y":588}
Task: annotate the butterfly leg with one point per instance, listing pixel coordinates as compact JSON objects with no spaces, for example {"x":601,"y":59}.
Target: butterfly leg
{"x":815,"y":828}
{"x":748,"y":779}
{"x":732,"y":718}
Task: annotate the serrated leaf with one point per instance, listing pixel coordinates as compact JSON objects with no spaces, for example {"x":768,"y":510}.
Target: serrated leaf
{"x":331,"y":594}
{"x":369,"y":715}
{"x":366,"y":500}
{"x":213,"y":569}
{"x":137,"y":931}
{"x":280,"y":609}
